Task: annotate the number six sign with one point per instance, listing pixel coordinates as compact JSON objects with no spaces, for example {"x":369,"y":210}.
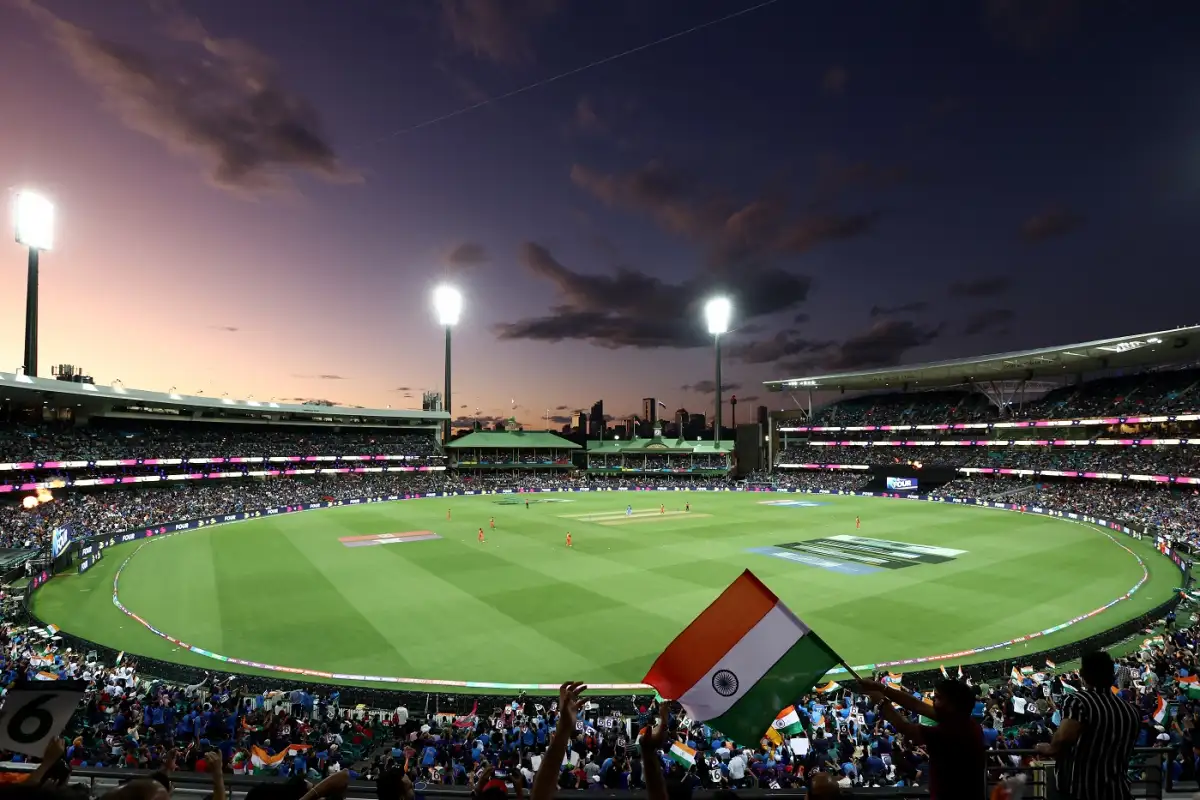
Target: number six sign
{"x":34,"y":713}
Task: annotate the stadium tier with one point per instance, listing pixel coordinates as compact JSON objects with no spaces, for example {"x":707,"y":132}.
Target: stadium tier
{"x":361,"y":530}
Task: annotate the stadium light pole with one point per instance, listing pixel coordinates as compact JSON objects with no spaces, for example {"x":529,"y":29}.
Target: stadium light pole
{"x":717,"y":312}
{"x":448,"y":302}
{"x":34,"y":219}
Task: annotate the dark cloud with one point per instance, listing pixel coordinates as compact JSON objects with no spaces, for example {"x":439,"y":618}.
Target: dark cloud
{"x":710,"y":387}
{"x":462,"y":406}
{"x":224,"y":328}
{"x":628,"y":308}
{"x":496,"y":30}
{"x":467,"y":254}
{"x":987,"y":320}
{"x":1031,"y":24}
{"x":325,"y":377}
{"x":221,"y":100}
{"x":737,"y":234}
{"x":558,"y":419}
{"x":784,"y":344}
{"x":981,"y":287}
{"x":316,"y":401}
{"x":750,"y":398}
{"x":835,"y":79}
{"x":562,"y":408}
{"x":402,"y":389}
{"x":800,"y":318}
{"x":904,"y":308}
{"x":1049,"y":225}
{"x":882,"y":345}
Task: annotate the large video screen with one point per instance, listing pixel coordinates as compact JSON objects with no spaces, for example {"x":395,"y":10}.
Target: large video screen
{"x":901,"y":484}
{"x":59,"y":540}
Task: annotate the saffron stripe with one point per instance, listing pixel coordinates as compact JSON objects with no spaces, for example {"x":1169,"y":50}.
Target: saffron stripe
{"x":710,"y":636}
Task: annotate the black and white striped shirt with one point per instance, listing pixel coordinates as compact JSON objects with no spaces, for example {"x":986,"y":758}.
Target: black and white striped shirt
{"x":1097,"y":765}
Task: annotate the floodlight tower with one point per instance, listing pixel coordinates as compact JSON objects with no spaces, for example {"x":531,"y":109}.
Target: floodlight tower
{"x":717,"y":312}
{"x":34,"y":218}
{"x":448,"y":303}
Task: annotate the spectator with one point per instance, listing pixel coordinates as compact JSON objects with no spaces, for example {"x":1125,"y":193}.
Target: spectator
{"x":1095,"y":740}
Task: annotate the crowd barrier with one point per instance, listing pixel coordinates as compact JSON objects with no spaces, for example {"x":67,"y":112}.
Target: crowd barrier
{"x":91,"y":549}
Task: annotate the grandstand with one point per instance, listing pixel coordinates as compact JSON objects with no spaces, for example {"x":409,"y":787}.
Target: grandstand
{"x":122,"y":470}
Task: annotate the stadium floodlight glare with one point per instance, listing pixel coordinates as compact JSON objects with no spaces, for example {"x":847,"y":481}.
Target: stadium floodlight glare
{"x":718,"y":311}
{"x":33,"y":219}
{"x":448,"y":302}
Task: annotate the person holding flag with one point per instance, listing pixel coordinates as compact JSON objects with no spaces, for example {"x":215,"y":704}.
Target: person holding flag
{"x":957,"y":759}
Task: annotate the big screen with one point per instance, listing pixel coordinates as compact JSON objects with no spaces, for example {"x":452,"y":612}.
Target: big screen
{"x":59,"y":540}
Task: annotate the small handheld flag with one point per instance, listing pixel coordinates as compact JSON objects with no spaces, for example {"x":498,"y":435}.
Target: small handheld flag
{"x":742,"y":660}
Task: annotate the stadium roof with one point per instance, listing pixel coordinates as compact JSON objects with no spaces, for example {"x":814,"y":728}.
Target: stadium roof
{"x":659,"y":444}
{"x":517,"y":440}
{"x":100,"y":400}
{"x":1179,"y":345}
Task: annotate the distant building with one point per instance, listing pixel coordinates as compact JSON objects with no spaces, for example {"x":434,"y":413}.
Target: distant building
{"x":681,"y":419}
{"x":579,"y":421}
{"x":696,"y":425}
{"x":763,"y":417}
{"x":596,"y":420}
{"x":649,"y":410}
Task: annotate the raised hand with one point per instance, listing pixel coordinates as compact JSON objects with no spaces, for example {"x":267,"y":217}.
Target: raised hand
{"x":570,"y":704}
{"x":656,"y":735}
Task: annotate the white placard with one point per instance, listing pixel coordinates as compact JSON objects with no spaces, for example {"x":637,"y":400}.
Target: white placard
{"x":33,"y":714}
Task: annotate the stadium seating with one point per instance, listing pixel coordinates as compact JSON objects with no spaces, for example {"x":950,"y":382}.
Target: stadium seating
{"x":1147,"y":394}
{"x":136,"y":718}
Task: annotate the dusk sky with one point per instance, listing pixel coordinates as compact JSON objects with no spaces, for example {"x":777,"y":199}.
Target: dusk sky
{"x":259,"y":197}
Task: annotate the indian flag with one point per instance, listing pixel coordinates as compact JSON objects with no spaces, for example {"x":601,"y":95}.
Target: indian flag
{"x":1026,"y":670}
{"x":1192,"y":691}
{"x":744,"y":658}
{"x":1069,"y":689}
{"x":682,"y":754}
{"x":260,"y":758}
{"x":1015,"y":676}
{"x":945,"y":674}
{"x":1160,"y":710}
{"x":1187,"y":679}
{"x":788,"y":722}
{"x":1050,"y":664}
{"x":826,"y":688}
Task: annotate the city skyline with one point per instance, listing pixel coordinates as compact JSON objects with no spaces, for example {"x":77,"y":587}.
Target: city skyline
{"x":262,"y":202}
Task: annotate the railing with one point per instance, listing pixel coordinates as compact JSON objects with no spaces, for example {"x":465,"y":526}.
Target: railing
{"x":1149,"y":772}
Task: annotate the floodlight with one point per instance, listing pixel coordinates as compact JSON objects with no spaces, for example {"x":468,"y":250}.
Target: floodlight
{"x":448,"y":303}
{"x":718,"y":311}
{"x":34,"y":218}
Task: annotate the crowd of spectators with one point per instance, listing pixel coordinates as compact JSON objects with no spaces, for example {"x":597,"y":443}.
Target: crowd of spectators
{"x":22,"y":443}
{"x":861,"y":734}
{"x":1151,"y":460}
{"x":1147,"y":394}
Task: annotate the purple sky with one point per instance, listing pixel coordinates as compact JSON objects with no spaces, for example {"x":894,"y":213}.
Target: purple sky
{"x":250,"y":200}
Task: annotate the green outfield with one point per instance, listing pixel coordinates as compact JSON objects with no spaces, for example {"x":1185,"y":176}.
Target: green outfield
{"x":305,"y":591}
